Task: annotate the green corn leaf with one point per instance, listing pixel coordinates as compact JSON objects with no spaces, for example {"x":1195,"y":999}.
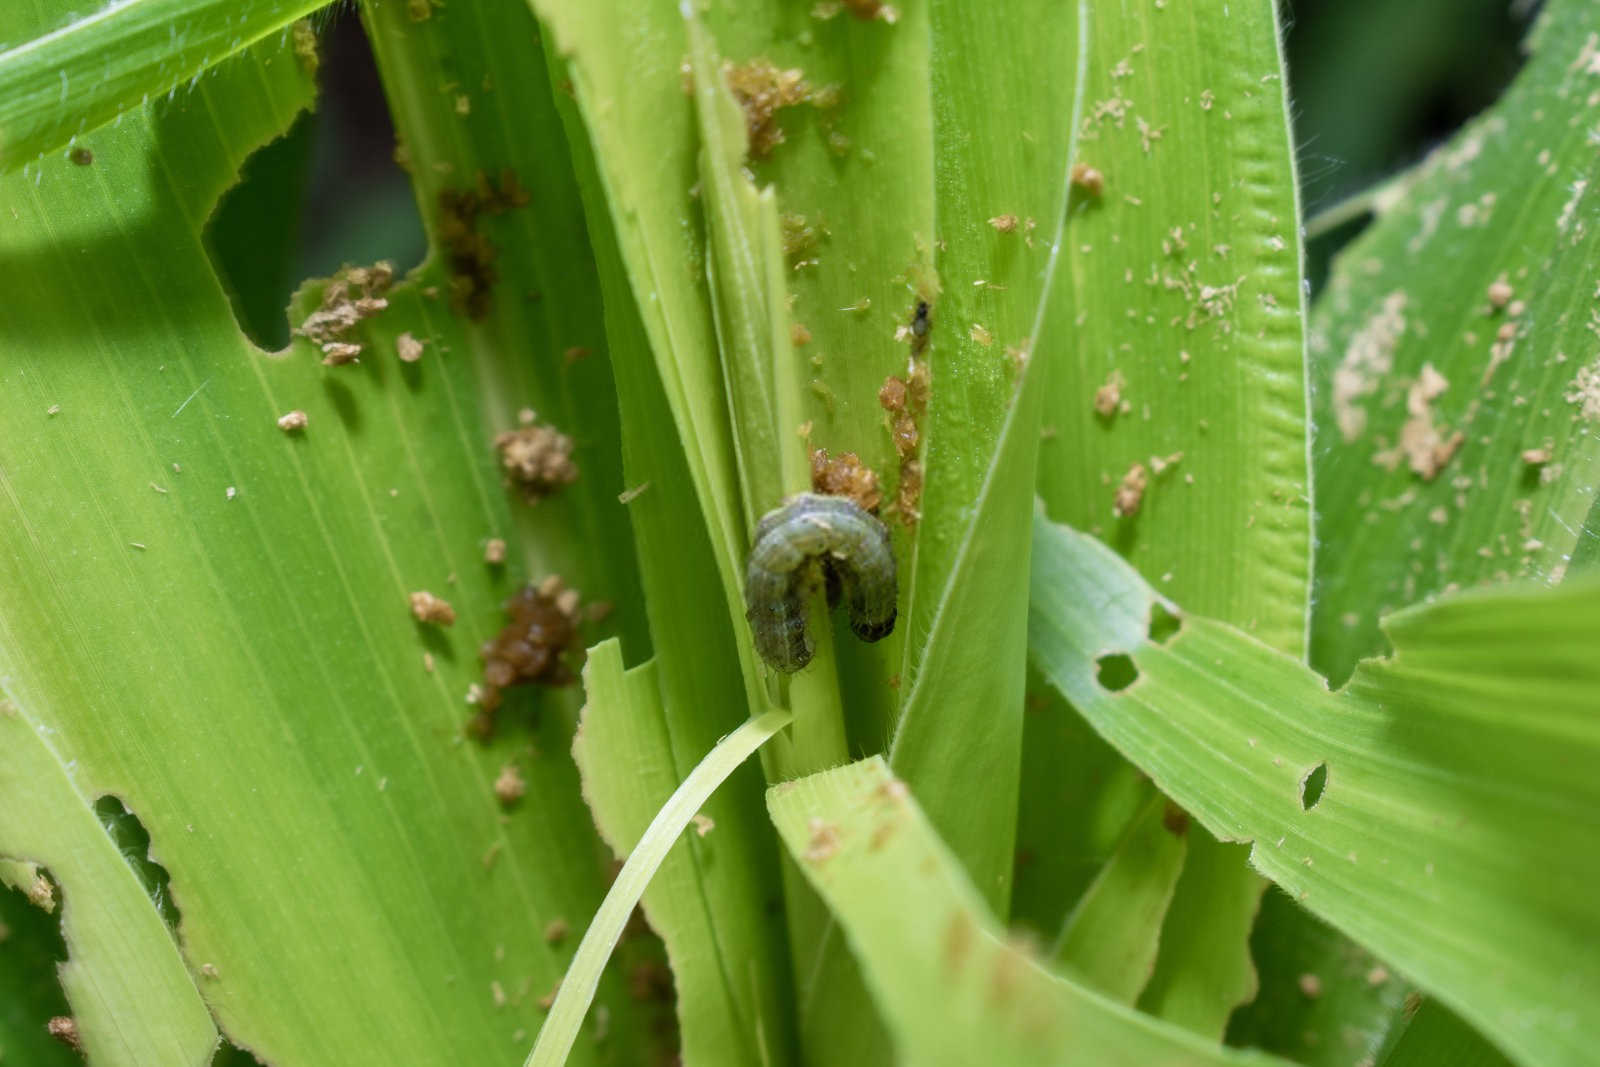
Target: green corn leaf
{"x":1324,"y":1000}
{"x":63,"y":76}
{"x":211,"y":616}
{"x":1443,"y":772}
{"x":953,"y":989}
{"x":1175,"y":423}
{"x":1182,"y":284}
{"x":1203,"y":972}
{"x":1109,"y":941}
{"x":133,"y":997}
{"x":645,"y":815}
{"x":1457,"y":390}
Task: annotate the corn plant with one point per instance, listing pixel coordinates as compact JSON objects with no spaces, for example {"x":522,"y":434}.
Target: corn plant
{"x":862,"y":483}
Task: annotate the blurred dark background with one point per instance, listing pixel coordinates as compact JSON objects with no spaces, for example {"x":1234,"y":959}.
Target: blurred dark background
{"x":1375,"y":84}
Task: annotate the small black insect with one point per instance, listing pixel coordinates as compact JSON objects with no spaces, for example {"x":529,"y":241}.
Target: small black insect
{"x":814,"y":538}
{"x":921,"y":324}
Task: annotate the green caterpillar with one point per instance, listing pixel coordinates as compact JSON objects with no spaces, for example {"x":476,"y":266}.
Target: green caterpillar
{"x":811,"y":538}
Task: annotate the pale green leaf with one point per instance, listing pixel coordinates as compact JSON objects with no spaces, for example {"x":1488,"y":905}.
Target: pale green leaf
{"x":1205,"y":969}
{"x":1007,"y":99}
{"x":630,"y":695}
{"x":1456,"y":435}
{"x":541,"y":344}
{"x":696,"y":656}
{"x":1450,"y":837}
{"x":853,"y":175}
{"x":954,"y":991}
{"x":1109,"y":941}
{"x":624,"y":62}
{"x":1079,"y":796}
{"x":624,"y":753}
{"x":744,"y":262}
{"x":60,"y":80}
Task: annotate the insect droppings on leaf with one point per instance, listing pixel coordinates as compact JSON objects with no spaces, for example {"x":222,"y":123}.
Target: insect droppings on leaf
{"x":472,"y":255}
{"x":865,"y":10}
{"x":1130,"y":492}
{"x":509,"y":785}
{"x":800,"y":239}
{"x":408,"y":348}
{"x":425,"y":607}
{"x":64,"y":1028}
{"x":350,"y":296}
{"x":304,"y":40}
{"x":536,"y":459}
{"x":1500,"y":293}
{"x":338,"y":353}
{"x":494,"y":551}
{"x":905,"y":399}
{"x":530,"y":649}
{"x":293,"y":421}
{"x":846,"y":476}
{"x":1088,"y":179}
{"x":1108,"y":398}
{"x":822,"y":842}
{"x":1425,"y":447}
{"x":762,"y":90}
{"x":81,"y":156}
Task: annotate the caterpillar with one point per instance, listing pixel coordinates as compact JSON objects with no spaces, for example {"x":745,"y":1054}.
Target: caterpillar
{"x":852,"y":547}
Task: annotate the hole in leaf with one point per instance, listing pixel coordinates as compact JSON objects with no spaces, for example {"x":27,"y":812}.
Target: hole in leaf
{"x":133,"y":841}
{"x":1163,"y":624}
{"x":31,"y":949}
{"x":1117,"y":672}
{"x":1312,"y":785}
{"x":326,"y":193}
{"x":230,"y":1055}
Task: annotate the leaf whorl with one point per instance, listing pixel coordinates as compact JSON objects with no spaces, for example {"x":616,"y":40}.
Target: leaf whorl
{"x":809,"y":539}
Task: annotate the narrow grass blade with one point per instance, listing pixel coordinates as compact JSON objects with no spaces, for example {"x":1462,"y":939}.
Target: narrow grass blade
{"x":578,"y":987}
{"x":624,"y":752}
